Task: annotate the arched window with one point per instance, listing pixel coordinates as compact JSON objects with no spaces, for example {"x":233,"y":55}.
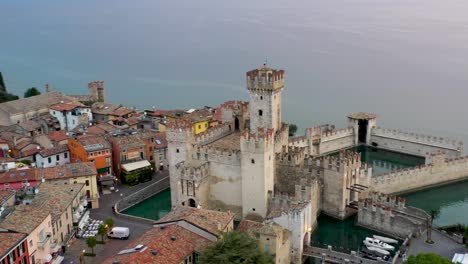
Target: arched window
{"x":261,"y":97}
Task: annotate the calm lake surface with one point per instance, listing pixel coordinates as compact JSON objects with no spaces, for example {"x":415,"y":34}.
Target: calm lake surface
{"x":402,"y":59}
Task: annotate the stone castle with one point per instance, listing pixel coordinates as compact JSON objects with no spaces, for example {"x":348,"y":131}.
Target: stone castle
{"x":248,"y":165}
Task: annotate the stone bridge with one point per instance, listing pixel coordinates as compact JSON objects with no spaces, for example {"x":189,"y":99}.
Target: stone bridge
{"x":330,"y":256}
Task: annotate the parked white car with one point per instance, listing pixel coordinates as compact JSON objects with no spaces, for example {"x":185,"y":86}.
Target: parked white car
{"x":119,"y":232}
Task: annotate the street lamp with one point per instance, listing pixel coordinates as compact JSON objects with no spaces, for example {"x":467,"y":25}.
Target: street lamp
{"x":82,"y":257}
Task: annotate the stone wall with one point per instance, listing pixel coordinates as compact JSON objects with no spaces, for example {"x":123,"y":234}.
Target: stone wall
{"x":437,"y":173}
{"x":213,"y":134}
{"x":389,"y":215}
{"x":141,"y":195}
{"x":415,"y":144}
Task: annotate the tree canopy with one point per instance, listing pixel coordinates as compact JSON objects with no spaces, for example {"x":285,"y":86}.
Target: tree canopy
{"x":429,"y":258}
{"x":5,"y":97}
{"x":91,"y":242}
{"x":292,"y":129}
{"x":31,"y":92}
{"x":235,"y":247}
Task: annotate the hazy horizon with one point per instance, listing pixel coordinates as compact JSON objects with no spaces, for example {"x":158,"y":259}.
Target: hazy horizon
{"x":404,"y":60}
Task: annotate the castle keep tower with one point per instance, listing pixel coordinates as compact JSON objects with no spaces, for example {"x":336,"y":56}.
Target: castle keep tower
{"x":97,"y":91}
{"x":257,"y":170}
{"x":179,"y":149}
{"x":265,"y":86}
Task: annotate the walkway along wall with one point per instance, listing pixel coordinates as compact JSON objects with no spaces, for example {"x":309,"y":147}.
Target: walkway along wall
{"x":441,"y":171}
{"x":415,"y":144}
{"x":140,"y":196}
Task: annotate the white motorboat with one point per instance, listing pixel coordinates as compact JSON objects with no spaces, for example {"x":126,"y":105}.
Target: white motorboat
{"x":372,"y":242}
{"x":379,"y":250}
{"x":386,"y":239}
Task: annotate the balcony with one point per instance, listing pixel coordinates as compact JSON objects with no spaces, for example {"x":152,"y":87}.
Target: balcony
{"x":42,"y":243}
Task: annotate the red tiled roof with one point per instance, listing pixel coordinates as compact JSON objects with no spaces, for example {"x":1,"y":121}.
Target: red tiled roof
{"x":122,"y":111}
{"x":18,"y":175}
{"x":9,"y":240}
{"x":54,"y":151}
{"x":168,"y":251}
{"x":3,"y":140}
{"x":69,"y":170}
{"x":162,"y":138}
{"x":29,"y":152}
{"x":4,"y":195}
{"x":58,"y":135}
{"x":246,"y":225}
{"x":66,"y":106}
{"x":94,"y":140}
{"x":213,"y":221}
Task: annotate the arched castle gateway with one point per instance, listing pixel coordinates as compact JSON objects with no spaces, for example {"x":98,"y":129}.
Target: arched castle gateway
{"x":249,"y":166}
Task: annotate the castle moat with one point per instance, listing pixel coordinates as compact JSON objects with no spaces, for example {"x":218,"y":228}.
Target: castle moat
{"x":450,"y":200}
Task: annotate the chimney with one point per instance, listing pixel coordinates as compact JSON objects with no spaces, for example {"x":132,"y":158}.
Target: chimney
{"x":47,"y":88}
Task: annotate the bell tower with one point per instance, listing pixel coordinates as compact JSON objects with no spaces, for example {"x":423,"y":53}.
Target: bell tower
{"x":265,"y":86}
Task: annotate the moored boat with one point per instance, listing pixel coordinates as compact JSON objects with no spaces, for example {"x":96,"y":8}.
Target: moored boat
{"x":386,"y":239}
{"x":372,"y":242}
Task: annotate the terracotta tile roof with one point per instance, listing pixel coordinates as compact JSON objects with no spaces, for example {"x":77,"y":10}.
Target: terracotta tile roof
{"x":162,"y":139}
{"x":54,"y":151}
{"x":110,"y":109}
{"x":23,"y":144}
{"x":94,"y":142}
{"x":24,"y":219}
{"x":122,"y":111}
{"x":34,"y":103}
{"x":68,"y":171}
{"x":213,"y":221}
{"x":5,"y":195}
{"x":67,"y":106}
{"x":30,"y":125}
{"x":56,"y":198}
{"x":9,"y":240}
{"x":3,"y":140}
{"x":18,"y":175}
{"x":129,"y":141}
{"x":168,"y":251}
{"x":252,"y":227}
{"x":246,"y":225}
{"x":199,"y":115}
{"x":58,"y":135}
{"x":31,"y":151}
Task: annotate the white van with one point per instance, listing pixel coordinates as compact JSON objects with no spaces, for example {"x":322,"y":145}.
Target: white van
{"x":119,"y":232}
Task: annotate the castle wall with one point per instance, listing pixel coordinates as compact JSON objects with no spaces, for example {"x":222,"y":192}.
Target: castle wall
{"x":389,"y":215}
{"x":415,"y":144}
{"x":226,"y":186}
{"x":424,"y":176}
{"x":297,"y":221}
{"x":336,"y":140}
{"x":212,"y":134}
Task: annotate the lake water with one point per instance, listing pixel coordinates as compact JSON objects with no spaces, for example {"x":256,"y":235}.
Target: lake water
{"x":402,"y":59}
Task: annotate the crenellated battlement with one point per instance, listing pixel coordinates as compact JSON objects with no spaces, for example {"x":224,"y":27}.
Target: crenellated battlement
{"x":294,"y":156}
{"x":236,"y":105}
{"x":263,"y":139}
{"x":179,"y":124}
{"x":418,"y":138}
{"x":193,"y":171}
{"x":300,"y":141}
{"x":341,"y":162}
{"x":337,"y":133}
{"x":265,"y":78}
{"x":212,"y":134}
{"x":209,"y":153}
{"x":390,"y":201}
{"x":283,"y":203}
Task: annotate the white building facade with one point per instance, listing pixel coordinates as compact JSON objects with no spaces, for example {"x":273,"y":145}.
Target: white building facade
{"x":71,"y":115}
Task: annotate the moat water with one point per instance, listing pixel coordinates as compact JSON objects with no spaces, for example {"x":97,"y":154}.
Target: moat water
{"x":450,"y":200}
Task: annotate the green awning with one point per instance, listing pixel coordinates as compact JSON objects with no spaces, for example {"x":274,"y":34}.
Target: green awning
{"x":102,"y":170}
